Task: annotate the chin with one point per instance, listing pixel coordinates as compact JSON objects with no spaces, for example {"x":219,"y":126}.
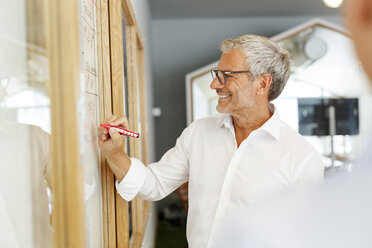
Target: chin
{"x":222,"y":110}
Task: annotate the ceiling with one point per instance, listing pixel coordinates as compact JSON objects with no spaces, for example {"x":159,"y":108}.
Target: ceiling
{"x":164,"y":9}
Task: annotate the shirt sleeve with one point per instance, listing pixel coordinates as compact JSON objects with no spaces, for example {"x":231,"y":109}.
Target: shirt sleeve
{"x":157,"y":180}
{"x":311,"y":170}
{"x":131,"y":184}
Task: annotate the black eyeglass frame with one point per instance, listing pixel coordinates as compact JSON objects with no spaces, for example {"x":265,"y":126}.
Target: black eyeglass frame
{"x":214,"y":73}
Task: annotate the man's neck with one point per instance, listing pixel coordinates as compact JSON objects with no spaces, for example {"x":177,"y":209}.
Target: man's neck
{"x":248,"y":121}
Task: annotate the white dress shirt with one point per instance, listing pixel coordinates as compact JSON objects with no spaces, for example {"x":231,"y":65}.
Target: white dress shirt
{"x":223,"y":177}
{"x":25,"y":171}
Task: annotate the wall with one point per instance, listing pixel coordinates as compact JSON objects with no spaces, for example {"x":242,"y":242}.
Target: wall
{"x":180,"y":46}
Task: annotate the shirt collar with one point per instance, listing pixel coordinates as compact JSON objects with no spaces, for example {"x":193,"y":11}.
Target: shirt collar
{"x":271,"y":126}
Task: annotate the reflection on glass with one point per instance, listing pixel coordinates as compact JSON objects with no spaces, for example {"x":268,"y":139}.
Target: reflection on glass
{"x":25,"y":126}
{"x":88,"y":121}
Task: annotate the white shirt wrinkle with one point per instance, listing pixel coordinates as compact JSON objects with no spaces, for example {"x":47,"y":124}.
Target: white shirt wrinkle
{"x":223,"y":178}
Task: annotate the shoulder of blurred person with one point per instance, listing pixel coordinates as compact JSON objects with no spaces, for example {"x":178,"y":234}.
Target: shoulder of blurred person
{"x":25,"y":166}
{"x":335,"y":214}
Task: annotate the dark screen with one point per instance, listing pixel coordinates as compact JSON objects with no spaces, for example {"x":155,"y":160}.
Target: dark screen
{"x":313,"y":114}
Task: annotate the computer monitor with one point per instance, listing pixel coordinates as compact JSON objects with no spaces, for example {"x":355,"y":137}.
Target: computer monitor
{"x":313,"y":114}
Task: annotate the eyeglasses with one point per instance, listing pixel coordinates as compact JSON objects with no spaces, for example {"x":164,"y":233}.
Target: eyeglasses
{"x":222,"y":75}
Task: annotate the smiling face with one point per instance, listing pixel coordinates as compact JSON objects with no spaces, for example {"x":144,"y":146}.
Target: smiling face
{"x":238,"y":94}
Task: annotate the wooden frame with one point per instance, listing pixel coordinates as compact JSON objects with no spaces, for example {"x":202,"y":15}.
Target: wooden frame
{"x":69,"y":216}
{"x":64,"y":64}
{"x":136,"y":81}
{"x":69,"y":207}
{"x":104,"y":72}
{"x":117,"y":73}
{"x":120,"y":11}
{"x":131,"y":34}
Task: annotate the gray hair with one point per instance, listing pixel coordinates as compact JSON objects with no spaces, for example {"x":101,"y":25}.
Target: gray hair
{"x":262,"y":56}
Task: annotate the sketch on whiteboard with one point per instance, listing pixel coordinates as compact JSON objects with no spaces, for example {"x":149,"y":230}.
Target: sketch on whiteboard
{"x":88,"y":122}
{"x":89,"y":48}
{"x":88,"y":12}
{"x":90,"y":83}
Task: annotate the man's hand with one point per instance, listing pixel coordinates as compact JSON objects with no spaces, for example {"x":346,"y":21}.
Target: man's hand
{"x":112,"y":146}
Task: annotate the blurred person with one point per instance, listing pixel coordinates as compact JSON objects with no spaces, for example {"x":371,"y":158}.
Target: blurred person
{"x":25,"y":174}
{"x":232,"y":161}
{"x":335,"y":215}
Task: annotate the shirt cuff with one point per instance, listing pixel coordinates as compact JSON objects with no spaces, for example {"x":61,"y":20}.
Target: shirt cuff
{"x":131,"y":184}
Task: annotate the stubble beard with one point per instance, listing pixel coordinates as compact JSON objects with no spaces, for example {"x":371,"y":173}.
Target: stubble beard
{"x":223,"y":109}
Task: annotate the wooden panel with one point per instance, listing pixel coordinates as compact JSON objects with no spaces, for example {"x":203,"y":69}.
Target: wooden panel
{"x":136,"y":79}
{"x":117,"y":61}
{"x":133,"y":115}
{"x":143,"y":105}
{"x":132,"y":67}
{"x":130,"y":17}
{"x":107,"y":177}
{"x":132,"y":83}
{"x":117,"y":72}
{"x":120,"y":11}
{"x":68,"y":200}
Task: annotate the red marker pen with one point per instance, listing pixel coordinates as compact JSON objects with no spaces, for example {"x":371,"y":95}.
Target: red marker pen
{"x":121,"y":130}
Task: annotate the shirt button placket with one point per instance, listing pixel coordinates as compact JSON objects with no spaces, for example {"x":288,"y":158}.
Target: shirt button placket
{"x":224,"y":199}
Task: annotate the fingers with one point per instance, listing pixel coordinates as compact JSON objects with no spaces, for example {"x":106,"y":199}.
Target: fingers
{"x":104,"y":134}
{"x":117,"y":139}
{"x":121,"y":122}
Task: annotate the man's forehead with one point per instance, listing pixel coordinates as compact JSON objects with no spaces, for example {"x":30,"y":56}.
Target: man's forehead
{"x":232,"y":60}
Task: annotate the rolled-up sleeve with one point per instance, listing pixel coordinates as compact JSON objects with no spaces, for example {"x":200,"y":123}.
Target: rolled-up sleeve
{"x":132,"y":183}
{"x":157,"y":180}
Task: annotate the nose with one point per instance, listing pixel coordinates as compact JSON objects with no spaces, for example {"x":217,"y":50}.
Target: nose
{"x":215,"y":84}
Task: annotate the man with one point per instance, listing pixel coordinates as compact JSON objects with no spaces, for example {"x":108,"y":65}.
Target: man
{"x":337,"y":214}
{"x":232,"y":161}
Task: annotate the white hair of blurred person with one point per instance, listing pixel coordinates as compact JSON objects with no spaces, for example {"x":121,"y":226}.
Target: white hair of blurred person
{"x":262,"y":56}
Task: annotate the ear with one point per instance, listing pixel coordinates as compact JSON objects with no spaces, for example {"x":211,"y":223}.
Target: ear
{"x":265,"y":84}
{"x":366,"y":11}
{"x":360,"y":11}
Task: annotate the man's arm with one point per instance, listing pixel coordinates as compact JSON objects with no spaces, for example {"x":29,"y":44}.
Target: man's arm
{"x":112,"y":146}
{"x":152,"y":182}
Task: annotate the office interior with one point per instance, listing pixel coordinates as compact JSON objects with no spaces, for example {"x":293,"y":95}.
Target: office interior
{"x":67,"y":65}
